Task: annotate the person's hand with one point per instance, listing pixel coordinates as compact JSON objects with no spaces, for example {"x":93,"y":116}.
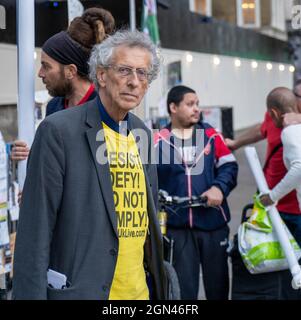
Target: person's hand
{"x":20,"y":151}
{"x":231,"y":144}
{"x":291,"y":118}
{"x":214,"y":195}
{"x":266,"y":200}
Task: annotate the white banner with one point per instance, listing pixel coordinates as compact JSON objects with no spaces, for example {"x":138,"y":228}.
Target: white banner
{"x":4,"y":236}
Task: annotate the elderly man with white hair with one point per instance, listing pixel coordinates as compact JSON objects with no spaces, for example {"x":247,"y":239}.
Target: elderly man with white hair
{"x":88,"y":227}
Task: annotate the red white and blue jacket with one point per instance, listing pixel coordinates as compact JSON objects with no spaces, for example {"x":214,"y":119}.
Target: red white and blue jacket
{"x":213,"y":164}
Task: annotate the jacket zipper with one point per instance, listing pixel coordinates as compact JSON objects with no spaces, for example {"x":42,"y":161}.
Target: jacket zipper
{"x":187,"y":171}
{"x":189,"y":194}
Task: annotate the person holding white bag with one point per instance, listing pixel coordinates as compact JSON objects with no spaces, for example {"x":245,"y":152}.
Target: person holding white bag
{"x":279,"y":102}
{"x":282,"y":101}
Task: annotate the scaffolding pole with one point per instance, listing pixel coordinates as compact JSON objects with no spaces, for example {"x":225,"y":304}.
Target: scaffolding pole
{"x":26,"y":70}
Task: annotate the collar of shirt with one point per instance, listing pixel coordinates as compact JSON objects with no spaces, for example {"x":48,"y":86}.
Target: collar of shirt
{"x":106,"y":118}
{"x":84,"y":99}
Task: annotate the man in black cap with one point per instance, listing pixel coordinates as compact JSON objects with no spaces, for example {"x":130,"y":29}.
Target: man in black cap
{"x":64,"y":65}
{"x":64,"y":71}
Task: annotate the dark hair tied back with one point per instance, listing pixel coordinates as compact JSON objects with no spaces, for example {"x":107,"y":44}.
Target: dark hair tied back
{"x":92,"y":27}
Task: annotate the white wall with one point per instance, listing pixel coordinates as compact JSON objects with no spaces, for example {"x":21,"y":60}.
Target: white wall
{"x":8,"y":74}
{"x":243,"y":88}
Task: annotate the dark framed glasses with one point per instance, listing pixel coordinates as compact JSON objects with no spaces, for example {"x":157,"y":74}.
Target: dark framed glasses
{"x":126,"y":71}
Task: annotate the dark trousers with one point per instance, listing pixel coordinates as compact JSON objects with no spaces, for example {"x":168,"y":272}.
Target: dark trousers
{"x":208,"y":248}
{"x":293,"y":222}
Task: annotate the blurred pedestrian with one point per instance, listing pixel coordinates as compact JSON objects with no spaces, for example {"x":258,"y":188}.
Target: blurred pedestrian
{"x":279,"y":102}
{"x":277,"y":284}
{"x":282,"y":101}
{"x":274,"y":167}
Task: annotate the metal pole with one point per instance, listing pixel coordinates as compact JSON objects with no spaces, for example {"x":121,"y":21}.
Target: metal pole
{"x":132,"y":15}
{"x":133,"y":27}
{"x":26,"y":71}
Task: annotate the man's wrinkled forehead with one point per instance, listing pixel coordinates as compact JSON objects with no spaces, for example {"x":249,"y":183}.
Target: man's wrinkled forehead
{"x":124,"y":52}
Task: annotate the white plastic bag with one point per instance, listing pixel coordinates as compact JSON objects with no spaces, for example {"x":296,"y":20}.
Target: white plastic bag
{"x":258,"y":243}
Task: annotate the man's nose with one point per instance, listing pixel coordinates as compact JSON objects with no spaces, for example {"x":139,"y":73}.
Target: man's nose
{"x":40,"y":74}
{"x":133,"y":79}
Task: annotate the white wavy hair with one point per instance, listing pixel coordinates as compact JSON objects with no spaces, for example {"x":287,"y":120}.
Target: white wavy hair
{"x":102,"y":53}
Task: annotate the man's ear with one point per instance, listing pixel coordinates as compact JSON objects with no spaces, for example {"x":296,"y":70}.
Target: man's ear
{"x":274,"y":113}
{"x":70,"y":71}
{"x":173,"y":108}
{"x":101,"y":75}
{"x":276,"y":116}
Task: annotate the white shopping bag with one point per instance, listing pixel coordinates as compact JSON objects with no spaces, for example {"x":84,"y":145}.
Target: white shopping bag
{"x":259,"y":245}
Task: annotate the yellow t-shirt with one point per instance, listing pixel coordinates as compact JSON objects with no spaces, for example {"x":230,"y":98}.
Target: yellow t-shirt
{"x":129,"y":190}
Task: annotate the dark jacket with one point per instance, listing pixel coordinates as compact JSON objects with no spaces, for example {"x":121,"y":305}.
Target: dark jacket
{"x":67,"y":220}
{"x":215,"y":165}
{"x":58,"y":103}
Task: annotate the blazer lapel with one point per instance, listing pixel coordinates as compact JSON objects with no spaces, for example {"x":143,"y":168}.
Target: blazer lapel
{"x":97,"y":143}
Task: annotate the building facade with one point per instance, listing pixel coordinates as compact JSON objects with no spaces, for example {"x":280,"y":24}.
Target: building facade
{"x":231,"y":52}
{"x":265,"y":16}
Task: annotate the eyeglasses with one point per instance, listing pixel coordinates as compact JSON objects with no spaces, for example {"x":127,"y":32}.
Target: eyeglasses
{"x":125,"y":71}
